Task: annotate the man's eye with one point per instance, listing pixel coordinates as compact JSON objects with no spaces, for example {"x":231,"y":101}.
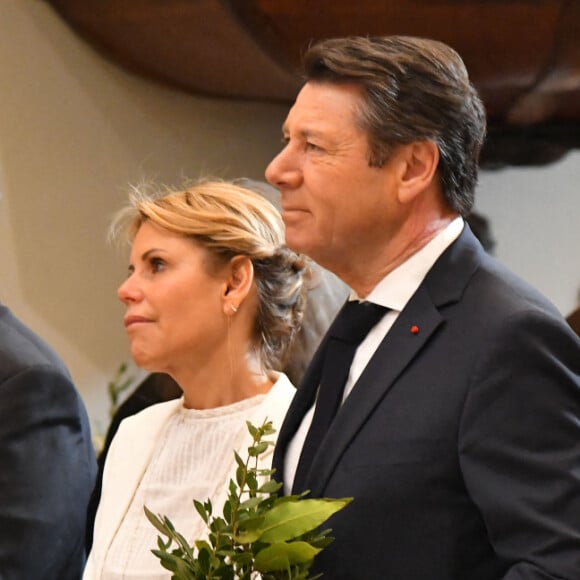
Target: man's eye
{"x":311,"y":146}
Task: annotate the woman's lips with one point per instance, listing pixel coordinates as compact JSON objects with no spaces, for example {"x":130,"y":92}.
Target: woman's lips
{"x":132,"y":320}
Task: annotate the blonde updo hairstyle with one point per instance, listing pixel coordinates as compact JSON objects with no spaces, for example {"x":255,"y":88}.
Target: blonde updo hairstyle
{"x":229,"y":220}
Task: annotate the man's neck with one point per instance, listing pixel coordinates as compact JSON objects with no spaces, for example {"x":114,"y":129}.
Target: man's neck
{"x":370,"y":267}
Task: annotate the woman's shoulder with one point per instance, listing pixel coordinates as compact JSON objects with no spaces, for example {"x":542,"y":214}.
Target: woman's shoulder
{"x":276,"y":402}
{"x":282,"y":387}
{"x":148,"y":417}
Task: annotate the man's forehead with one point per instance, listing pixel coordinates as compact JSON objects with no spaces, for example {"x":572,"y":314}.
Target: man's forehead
{"x":321,"y":109}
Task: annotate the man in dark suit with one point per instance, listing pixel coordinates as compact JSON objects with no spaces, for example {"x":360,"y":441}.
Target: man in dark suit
{"x":457,"y":429}
{"x":47,"y":462}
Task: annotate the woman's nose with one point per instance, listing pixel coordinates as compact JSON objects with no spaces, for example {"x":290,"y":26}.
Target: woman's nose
{"x":128,"y":291}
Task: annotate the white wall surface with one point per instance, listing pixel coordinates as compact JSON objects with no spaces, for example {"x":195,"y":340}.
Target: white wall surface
{"x":75,"y":131}
{"x":534,"y":214}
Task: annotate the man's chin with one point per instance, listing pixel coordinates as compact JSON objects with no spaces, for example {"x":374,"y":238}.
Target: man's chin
{"x":298,"y":241}
{"x":305,"y":245}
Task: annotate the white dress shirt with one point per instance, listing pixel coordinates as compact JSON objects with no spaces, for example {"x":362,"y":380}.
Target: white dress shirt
{"x":393,"y":292}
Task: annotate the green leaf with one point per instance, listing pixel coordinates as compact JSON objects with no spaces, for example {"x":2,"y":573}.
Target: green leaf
{"x":201,"y":510}
{"x":204,"y":558}
{"x":252,"y":481}
{"x":268,"y":429}
{"x":257,"y":449}
{"x":250,"y":530}
{"x":253,"y":430}
{"x":168,"y":561}
{"x":240,"y":475}
{"x":227,"y":511}
{"x":281,"y":556}
{"x":156,"y":521}
{"x":186,"y":548}
{"x":218,"y":525}
{"x":202,"y":545}
{"x":239,"y":460}
{"x":250,"y":503}
{"x":183,"y":571}
{"x":168,"y":524}
{"x":270,"y":486}
{"x":288,"y":520}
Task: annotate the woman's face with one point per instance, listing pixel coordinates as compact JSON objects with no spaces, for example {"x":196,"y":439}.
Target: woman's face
{"x":174,"y":312}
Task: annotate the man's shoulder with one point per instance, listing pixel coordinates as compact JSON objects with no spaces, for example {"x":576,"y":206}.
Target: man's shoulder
{"x":22,"y":349}
{"x":465,"y":271}
{"x":502,"y":289}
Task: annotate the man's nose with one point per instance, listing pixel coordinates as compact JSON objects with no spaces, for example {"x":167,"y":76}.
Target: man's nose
{"x":283,"y":170}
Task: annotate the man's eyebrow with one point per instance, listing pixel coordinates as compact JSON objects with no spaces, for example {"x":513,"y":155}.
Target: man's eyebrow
{"x":304,"y":133}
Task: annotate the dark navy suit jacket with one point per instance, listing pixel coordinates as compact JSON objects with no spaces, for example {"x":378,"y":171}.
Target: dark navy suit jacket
{"x":47,"y":462}
{"x":460,"y":444}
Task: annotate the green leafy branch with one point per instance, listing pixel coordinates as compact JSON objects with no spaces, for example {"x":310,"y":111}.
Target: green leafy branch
{"x":117,"y":386}
{"x":260,"y":534}
{"x":120,"y":383}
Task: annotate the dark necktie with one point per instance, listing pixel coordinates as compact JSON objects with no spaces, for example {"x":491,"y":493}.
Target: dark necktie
{"x":347,"y":331}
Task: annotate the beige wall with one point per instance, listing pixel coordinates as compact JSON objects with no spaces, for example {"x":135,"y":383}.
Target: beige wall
{"x":75,"y":131}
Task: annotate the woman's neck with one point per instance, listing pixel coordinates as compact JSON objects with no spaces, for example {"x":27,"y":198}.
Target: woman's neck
{"x":209,"y":386}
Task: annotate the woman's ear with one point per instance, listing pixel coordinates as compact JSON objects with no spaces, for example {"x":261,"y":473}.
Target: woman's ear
{"x":421,"y":160}
{"x":238,"y":283}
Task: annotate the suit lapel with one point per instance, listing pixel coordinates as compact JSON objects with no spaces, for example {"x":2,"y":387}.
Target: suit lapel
{"x":303,"y":400}
{"x":395,"y":353}
{"x":444,"y":284}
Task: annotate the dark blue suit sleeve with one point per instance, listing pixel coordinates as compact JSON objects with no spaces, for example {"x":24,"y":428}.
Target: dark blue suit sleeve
{"x":47,"y":470}
{"x":520,"y":446}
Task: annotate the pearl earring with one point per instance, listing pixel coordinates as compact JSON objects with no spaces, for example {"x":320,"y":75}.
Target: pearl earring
{"x":234,"y":309}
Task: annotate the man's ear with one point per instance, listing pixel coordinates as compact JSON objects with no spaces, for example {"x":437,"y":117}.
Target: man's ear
{"x":238,"y":283}
{"x":420,"y":162}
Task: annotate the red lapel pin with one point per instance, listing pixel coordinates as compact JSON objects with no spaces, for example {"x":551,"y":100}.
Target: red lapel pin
{"x":415,"y":329}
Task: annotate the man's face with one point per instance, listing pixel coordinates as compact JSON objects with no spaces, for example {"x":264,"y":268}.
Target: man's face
{"x":335,"y":207}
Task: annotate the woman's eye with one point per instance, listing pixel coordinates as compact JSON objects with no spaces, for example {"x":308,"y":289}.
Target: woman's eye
{"x":157,"y":264}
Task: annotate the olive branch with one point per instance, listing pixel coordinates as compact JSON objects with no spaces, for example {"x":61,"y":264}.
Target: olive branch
{"x":260,"y":534}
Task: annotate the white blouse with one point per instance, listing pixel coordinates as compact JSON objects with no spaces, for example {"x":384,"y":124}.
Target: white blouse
{"x":192,"y":458}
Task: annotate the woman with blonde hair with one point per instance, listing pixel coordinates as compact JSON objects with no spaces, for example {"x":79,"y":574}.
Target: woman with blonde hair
{"x":214,"y":299}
